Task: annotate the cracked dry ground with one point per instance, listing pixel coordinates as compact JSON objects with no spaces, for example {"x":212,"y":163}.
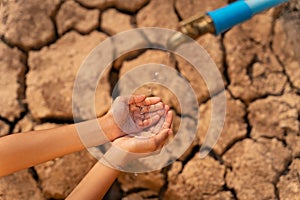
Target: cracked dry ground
{"x":258,"y":154}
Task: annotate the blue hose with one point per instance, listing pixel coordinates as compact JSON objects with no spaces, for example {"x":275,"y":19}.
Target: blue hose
{"x":238,"y":12}
{"x":258,"y":6}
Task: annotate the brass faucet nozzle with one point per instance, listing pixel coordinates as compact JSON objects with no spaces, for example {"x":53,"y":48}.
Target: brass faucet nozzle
{"x":193,"y":27}
{"x":197,"y":25}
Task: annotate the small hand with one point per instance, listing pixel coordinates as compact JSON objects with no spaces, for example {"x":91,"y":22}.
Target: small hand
{"x":128,"y":148}
{"x":135,"y":113}
{"x":130,"y":115}
{"x":150,"y":144}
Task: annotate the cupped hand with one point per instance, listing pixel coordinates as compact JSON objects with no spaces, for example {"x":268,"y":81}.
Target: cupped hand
{"x":128,"y":148}
{"x":160,"y":134}
{"x":133,"y":114}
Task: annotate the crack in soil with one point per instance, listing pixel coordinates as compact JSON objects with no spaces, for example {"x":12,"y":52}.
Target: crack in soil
{"x":277,"y":178}
{"x":164,"y":188}
{"x":35,"y":177}
{"x":176,"y":11}
{"x":276,"y":56}
{"x":226,"y":188}
{"x":114,"y":73}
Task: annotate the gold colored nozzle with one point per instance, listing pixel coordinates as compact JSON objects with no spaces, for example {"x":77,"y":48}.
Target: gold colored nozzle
{"x":193,"y":27}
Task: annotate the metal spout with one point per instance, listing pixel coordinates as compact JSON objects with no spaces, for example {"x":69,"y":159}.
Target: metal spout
{"x":193,"y":27}
{"x":220,"y":20}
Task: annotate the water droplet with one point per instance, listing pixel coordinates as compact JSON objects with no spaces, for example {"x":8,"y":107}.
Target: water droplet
{"x":155,"y":77}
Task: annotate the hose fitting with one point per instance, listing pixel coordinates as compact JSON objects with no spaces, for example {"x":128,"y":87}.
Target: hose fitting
{"x":193,"y":27}
{"x":219,"y":20}
{"x":197,"y":25}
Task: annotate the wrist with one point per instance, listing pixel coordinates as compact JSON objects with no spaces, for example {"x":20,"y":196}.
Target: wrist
{"x":109,"y":127}
{"x":118,"y":158}
{"x":91,"y":133}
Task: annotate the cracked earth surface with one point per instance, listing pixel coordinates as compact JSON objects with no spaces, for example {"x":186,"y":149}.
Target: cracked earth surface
{"x":258,"y":154}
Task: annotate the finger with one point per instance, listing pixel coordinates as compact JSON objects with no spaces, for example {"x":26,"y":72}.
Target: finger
{"x":159,"y":118}
{"x":167,"y":108}
{"x":144,"y":109}
{"x":168,"y":120}
{"x":148,"y":122}
{"x":138,"y":115}
{"x":149,"y":119}
{"x":152,"y":114}
{"x":133,"y":108}
{"x":152,"y":108}
{"x":160,"y":139}
{"x":150,"y":101}
{"x":135,"y":99}
{"x":153,"y":143}
{"x":157,"y":106}
{"x":170,"y":133}
{"x":158,"y":126}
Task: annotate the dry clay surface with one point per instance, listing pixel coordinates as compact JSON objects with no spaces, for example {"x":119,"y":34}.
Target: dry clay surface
{"x":258,"y":153}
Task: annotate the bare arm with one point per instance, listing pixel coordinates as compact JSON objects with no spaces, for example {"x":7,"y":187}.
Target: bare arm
{"x":19,"y":151}
{"x":23,"y":150}
{"x":96,"y":183}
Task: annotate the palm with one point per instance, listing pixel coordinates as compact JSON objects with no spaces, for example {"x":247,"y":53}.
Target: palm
{"x":160,"y":133}
{"x":134,"y":114}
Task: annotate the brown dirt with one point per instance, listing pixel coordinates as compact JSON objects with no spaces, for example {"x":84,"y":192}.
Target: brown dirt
{"x":257,"y":156}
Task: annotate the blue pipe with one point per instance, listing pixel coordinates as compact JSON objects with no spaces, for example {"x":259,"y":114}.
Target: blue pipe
{"x":238,"y":12}
{"x":258,"y":6}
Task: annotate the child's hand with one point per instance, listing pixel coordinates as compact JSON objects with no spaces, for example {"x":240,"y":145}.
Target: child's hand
{"x":130,"y":115}
{"x":148,"y":144}
{"x":133,"y":114}
{"x":128,"y":148}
